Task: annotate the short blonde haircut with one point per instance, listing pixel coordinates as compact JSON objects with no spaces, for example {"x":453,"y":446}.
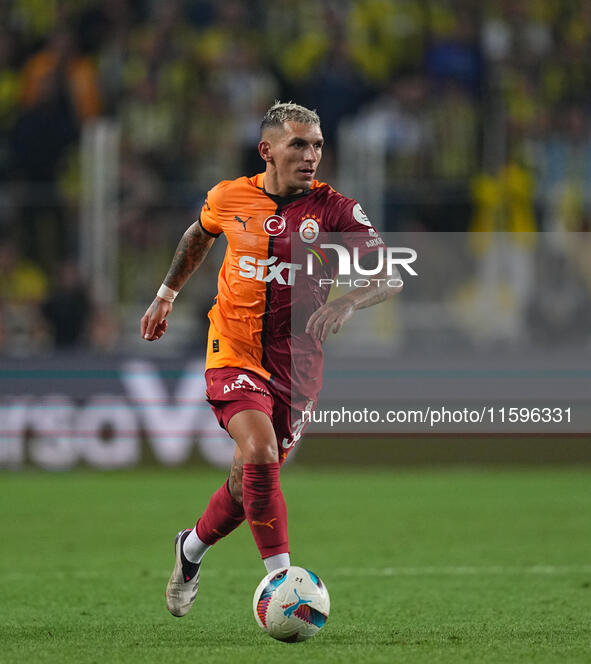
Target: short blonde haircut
{"x":288,"y":112}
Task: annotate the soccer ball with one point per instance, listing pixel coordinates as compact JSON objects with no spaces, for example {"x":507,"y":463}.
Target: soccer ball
{"x":291,"y":604}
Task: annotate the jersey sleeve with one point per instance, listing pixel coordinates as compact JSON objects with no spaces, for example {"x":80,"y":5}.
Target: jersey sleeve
{"x":208,"y":218}
{"x":354,"y":227}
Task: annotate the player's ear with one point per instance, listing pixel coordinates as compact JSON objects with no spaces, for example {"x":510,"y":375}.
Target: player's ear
{"x":265,"y":150}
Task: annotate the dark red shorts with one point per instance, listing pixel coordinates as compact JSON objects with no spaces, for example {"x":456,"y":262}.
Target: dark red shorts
{"x":231,"y":390}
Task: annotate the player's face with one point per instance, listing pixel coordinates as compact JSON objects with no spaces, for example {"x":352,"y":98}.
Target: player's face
{"x":294,"y":153}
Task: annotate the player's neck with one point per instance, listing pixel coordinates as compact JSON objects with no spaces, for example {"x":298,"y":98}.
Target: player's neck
{"x":274,"y":187}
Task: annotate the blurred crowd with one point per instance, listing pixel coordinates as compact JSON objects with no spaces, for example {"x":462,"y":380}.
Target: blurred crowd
{"x":484,"y":110}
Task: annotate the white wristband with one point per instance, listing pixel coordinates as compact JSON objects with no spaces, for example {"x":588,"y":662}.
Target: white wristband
{"x":166,"y":293}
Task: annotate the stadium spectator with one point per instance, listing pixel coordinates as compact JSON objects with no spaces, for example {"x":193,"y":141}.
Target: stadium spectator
{"x":59,"y":64}
{"x":22,"y":288}
{"x":453,"y":122}
{"x":244,"y":85}
{"x":296,"y":39}
{"x":336,"y":88}
{"x":67,"y":308}
{"x":386,"y":37}
{"x":563,"y":159}
{"x":59,"y":93}
{"x":399,"y":119}
{"x":9,"y":95}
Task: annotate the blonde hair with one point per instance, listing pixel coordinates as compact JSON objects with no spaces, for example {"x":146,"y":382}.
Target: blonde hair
{"x":282,"y":112}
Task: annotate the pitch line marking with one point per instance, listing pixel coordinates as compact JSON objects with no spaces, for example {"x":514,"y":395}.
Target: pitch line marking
{"x":465,"y":570}
{"x":443,"y":570}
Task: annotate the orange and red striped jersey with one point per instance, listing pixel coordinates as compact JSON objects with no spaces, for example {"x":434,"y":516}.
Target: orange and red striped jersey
{"x":265,"y":295}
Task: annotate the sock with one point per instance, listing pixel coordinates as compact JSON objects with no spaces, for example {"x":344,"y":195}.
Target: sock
{"x":193,"y":548}
{"x":222,"y":515}
{"x":190,"y":568}
{"x":265,"y":508}
{"x":277,"y":561}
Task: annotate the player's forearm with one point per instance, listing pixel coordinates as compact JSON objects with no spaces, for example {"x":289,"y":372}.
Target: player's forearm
{"x":381,"y":288}
{"x":189,"y":254}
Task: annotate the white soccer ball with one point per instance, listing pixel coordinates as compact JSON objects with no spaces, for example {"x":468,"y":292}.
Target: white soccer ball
{"x":291,"y":604}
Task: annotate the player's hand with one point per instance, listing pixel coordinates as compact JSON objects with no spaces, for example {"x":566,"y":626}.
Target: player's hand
{"x":153,"y":324}
{"x":329,"y":316}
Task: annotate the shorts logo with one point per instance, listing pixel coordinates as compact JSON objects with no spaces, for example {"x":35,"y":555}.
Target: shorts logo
{"x":274,"y":225}
{"x":309,"y":230}
{"x":241,"y":383}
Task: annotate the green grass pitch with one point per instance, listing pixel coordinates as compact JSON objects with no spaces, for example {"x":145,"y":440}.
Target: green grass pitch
{"x":422,"y":566}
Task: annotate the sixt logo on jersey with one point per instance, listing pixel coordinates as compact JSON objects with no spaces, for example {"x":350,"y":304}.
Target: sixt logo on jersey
{"x":282,"y":272}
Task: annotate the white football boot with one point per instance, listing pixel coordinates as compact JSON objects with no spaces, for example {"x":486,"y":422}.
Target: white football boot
{"x":184,"y":581}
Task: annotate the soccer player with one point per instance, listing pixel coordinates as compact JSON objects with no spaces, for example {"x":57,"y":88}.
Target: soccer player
{"x":267,"y":325}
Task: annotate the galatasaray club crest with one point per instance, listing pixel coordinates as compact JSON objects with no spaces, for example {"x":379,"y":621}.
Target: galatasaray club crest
{"x":309,"y":230}
{"x":274,"y":225}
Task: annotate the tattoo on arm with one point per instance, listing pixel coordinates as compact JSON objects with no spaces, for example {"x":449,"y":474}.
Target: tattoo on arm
{"x":378,"y":292}
{"x":189,"y":255}
{"x":375,"y":298}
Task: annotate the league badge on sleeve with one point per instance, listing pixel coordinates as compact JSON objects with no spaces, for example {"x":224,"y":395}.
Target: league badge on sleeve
{"x":360,"y":216}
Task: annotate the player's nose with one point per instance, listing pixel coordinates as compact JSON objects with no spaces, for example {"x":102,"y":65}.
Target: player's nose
{"x":310,"y":155}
